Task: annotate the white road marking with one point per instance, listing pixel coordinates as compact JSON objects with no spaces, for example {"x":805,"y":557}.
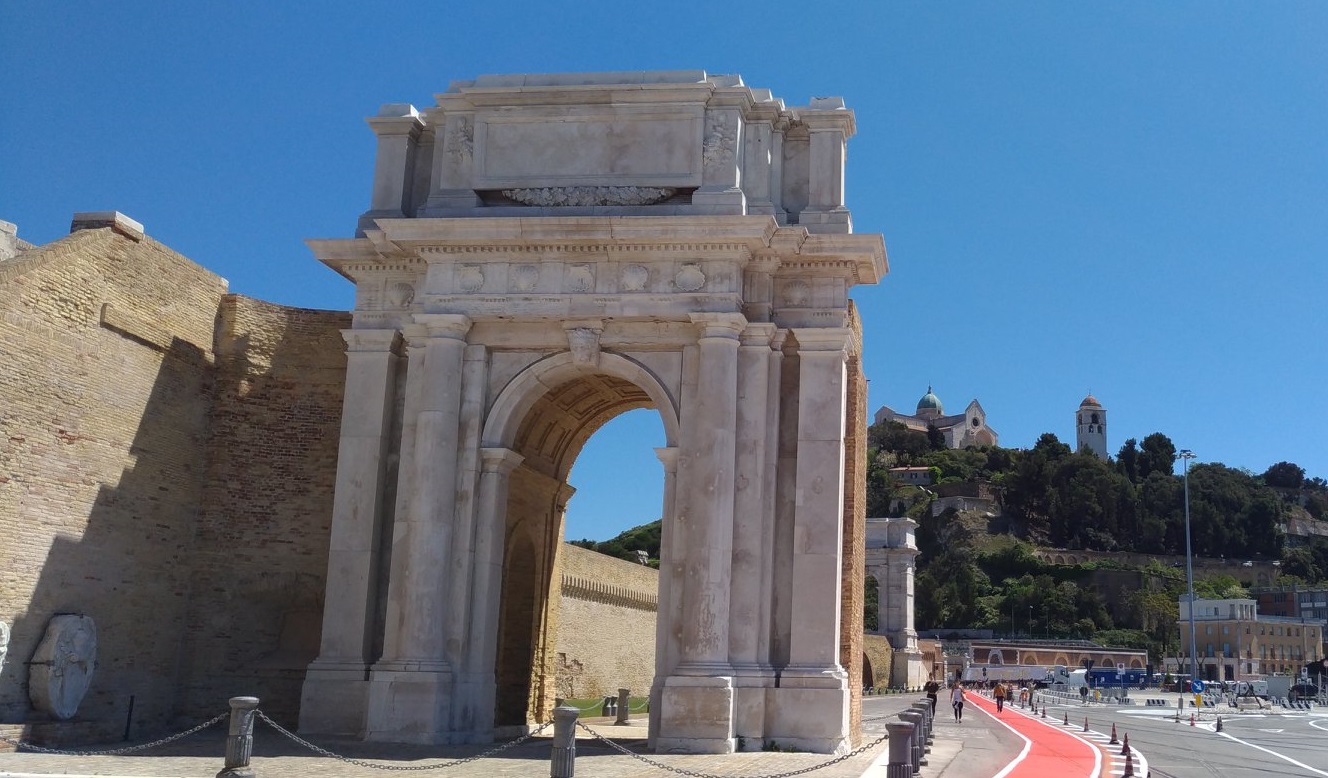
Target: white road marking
{"x":1283,"y":757}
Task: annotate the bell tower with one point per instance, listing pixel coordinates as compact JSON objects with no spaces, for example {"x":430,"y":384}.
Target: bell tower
{"x":1091,"y":429}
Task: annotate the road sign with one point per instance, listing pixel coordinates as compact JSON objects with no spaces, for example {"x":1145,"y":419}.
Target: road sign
{"x":1197,"y":686}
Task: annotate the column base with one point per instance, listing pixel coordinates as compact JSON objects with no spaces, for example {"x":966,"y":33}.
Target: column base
{"x":334,"y":699}
{"x":810,"y":711}
{"x":410,"y":705}
{"x":472,"y":708}
{"x":750,"y":684}
{"x":836,"y":220}
{"x":719,"y":202}
{"x":696,"y":716}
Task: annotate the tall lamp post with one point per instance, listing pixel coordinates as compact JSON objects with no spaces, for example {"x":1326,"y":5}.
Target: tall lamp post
{"x":1185,"y":456}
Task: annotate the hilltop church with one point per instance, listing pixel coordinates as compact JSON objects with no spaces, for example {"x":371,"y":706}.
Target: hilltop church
{"x":960,"y":430}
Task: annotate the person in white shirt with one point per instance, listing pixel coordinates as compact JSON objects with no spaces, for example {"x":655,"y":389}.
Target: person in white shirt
{"x":957,"y":701}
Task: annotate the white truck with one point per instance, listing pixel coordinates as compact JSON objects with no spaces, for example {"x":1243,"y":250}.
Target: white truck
{"x":1063,"y":679}
{"x":1254,"y":688}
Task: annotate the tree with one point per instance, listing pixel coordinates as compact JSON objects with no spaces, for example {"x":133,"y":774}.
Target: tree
{"x":1158,"y":455}
{"x":1127,"y":461}
{"x":935,"y":438}
{"x":1285,"y":475}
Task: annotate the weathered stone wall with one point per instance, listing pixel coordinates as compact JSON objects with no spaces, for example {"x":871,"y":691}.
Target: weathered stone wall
{"x":853,"y":578}
{"x":877,"y":652}
{"x":260,"y":561}
{"x":105,"y":384}
{"x":606,"y":625}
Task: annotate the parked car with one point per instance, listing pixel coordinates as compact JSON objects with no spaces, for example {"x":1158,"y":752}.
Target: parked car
{"x":1304,"y":690}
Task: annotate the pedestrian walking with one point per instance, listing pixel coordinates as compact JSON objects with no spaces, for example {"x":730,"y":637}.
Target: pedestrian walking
{"x":998,"y":693}
{"x":932,"y":688}
{"x":957,"y":701}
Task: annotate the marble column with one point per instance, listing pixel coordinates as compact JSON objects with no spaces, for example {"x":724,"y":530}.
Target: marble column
{"x":697,"y":701}
{"x":478,"y":684}
{"x":335,"y":691}
{"x":749,"y":604}
{"x":813,"y":683}
{"x":721,"y":163}
{"x":411,"y":685}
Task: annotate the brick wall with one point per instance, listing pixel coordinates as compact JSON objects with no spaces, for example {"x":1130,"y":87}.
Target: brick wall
{"x":853,"y":577}
{"x":106,"y":348}
{"x":260,"y":561}
{"x":606,"y":625}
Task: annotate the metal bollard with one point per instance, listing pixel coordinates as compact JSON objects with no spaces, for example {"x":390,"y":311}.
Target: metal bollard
{"x":240,"y":739}
{"x":562,"y":755}
{"x":624,"y":706}
{"x":901,"y":750}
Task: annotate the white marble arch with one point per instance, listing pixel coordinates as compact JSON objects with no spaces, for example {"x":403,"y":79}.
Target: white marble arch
{"x":504,"y":309}
{"x":509,"y":409}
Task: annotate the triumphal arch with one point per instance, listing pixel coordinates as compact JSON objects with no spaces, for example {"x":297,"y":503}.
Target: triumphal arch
{"x":544,"y":252}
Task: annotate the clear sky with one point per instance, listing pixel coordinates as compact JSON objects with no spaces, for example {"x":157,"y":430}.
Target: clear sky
{"x":1129,"y":198}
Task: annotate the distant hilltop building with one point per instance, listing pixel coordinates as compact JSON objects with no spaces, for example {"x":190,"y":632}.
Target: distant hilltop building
{"x":961,"y":430}
{"x":1091,"y":427}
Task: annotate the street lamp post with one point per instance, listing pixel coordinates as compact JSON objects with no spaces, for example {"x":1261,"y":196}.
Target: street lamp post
{"x":1185,"y":456}
{"x":1030,"y":622}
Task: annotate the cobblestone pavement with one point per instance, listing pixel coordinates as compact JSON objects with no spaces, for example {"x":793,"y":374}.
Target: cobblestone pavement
{"x":201,"y":756}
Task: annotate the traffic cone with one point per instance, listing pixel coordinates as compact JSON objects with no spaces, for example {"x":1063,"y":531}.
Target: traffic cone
{"x":1085,"y":723}
{"x":1067,"y":719}
{"x":1044,"y":711}
{"x":1219,"y":723}
{"x":1114,"y":741}
{"x":1129,"y":765}
{"x":1125,"y":746}
{"x":1191,"y":719}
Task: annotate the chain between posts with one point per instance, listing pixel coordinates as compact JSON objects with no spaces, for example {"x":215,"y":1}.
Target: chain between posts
{"x":117,"y":751}
{"x":361,"y":763}
{"x":696,"y":774}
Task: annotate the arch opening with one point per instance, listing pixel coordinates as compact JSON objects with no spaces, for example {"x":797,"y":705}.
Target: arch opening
{"x":553,"y":412}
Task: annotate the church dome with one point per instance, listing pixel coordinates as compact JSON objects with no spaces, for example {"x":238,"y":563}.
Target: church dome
{"x":1090,"y":402}
{"x":929,"y":402}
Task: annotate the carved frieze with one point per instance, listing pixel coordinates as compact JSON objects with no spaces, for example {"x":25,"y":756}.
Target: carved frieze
{"x":460,"y":140}
{"x":580,"y":278}
{"x":61,"y":669}
{"x":634,"y":278}
{"x":797,"y":294}
{"x":524,"y":278}
{"x":689,"y":278}
{"x":400,"y":294}
{"x":721,"y":140}
{"x":556,"y":196}
{"x":470,"y":278}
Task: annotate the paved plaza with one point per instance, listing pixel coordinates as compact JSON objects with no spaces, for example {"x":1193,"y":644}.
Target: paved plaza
{"x":956,"y":753}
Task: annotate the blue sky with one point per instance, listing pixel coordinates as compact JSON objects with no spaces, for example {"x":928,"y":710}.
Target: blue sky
{"x":1126,"y":197}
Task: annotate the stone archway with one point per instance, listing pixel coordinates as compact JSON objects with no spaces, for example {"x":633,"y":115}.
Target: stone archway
{"x":690,"y":253}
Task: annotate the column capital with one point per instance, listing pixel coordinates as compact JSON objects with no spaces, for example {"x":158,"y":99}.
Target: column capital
{"x":719,"y":325}
{"x":668,"y":456}
{"x":500,"y":460}
{"x":823,"y":338}
{"x":370,"y":340}
{"x":445,"y":325}
{"x":758,"y":335}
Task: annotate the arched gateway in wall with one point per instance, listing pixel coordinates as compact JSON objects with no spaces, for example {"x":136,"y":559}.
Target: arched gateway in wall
{"x":542,"y":254}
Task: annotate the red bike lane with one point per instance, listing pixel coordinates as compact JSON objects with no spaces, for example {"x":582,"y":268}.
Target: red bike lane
{"x":1050,"y":748}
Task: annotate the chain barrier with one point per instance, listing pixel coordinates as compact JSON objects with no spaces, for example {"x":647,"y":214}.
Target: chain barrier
{"x":696,"y":774}
{"x":591,"y":706}
{"x":638,"y":708}
{"x":361,"y":763}
{"x":117,"y":751}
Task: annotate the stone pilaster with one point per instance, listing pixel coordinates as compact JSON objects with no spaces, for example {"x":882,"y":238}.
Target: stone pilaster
{"x":722,"y":162}
{"x":697,"y":701}
{"x":476,"y":687}
{"x":830,"y":126}
{"x":749,"y":603}
{"x":668,"y":615}
{"x":453,"y":164}
{"x":335,"y":688}
{"x":813,"y":683}
{"x":411,"y":686}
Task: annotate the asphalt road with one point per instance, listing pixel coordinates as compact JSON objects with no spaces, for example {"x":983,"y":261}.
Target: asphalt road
{"x":1249,"y":746}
